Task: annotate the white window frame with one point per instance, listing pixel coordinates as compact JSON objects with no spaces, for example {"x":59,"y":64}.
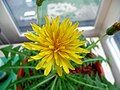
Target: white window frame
{"x":7,"y":24}
{"x":103,"y":9}
{"x":108,"y":43}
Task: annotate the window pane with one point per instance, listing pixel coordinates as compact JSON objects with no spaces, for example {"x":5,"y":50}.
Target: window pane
{"x":24,"y":11}
{"x":117,"y":39}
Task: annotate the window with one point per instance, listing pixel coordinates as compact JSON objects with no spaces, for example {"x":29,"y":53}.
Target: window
{"x":117,"y":39}
{"x":24,"y":12}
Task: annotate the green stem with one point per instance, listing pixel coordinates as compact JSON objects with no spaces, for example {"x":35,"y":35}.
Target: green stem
{"x":94,"y":44}
{"x":60,"y":86}
{"x":27,"y":78}
{"x":16,"y":52}
{"x":38,"y":15}
{"x":70,"y":85}
{"x":13,"y":67}
{"x":44,"y":81}
{"x":82,"y":83}
{"x":53,"y":85}
{"x":20,"y":67}
{"x":93,"y":60}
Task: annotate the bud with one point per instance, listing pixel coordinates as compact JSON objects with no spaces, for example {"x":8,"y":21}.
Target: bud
{"x":39,"y":2}
{"x":113,"y":29}
{"x":117,"y":26}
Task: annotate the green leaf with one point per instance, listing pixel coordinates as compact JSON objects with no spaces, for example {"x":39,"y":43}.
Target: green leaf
{"x":99,"y":58}
{"x":5,"y":84}
{"x":15,"y":49}
{"x":15,"y":60}
{"x":59,"y":83}
{"x":82,"y":37}
{"x":26,"y":78}
{"x":70,"y":86}
{"x":93,"y":45}
{"x":8,"y":66}
{"x":5,"y":66}
{"x":89,"y":80}
{"x":43,"y":82}
{"x":88,"y":88}
{"x":27,"y":52}
{"x":63,"y":84}
{"x":9,"y":51}
{"x":21,"y":57}
{"x":6,"y":50}
{"x":110,"y":86}
{"x":83,"y":83}
{"x":99,"y":83}
{"x":54,"y":82}
{"x":27,"y":71}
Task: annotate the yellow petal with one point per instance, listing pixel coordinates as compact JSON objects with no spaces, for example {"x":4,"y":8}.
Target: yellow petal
{"x":37,"y":57}
{"x":80,"y":43}
{"x":59,"y":70}
{"x":36,"y":28}
{"x":68,"y":64}
{"x":48,"y":68}
{"x":57,"y":20}
{"x":40,"y":64}
{"x":81,"y":50}
{"x":65,"y":66}
{"x":76,"y":60}
{"x":74,"y":57}
{"x":47,"y":20}
{"x":63,"y":54}
{"x":74,"y":26}
{"x":32,"y":36}
{"x":40,"y":55}
{"x":55,"y":24}
{"x":49,"y":58}
{"x":49,"y":40}
{"x":30,"y":59}
{"x":31,"y":46}
{"x":56,"y":58}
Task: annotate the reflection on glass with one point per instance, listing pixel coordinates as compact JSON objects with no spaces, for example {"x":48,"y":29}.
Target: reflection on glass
{"x":117,"y":39}
{"x":24,"y":11}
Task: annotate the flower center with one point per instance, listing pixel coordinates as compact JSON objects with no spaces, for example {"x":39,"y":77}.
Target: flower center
{"x":55,"y":47}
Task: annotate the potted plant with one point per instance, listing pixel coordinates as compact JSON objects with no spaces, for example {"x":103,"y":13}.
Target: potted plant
{"x":58,"y":57}
{"x":76,"y":68}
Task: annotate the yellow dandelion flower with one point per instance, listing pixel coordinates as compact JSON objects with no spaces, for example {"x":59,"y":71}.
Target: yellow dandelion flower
{"x":57,"y":43}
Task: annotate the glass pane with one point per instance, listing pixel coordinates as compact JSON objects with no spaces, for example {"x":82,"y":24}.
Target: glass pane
{"x":24,"y":11}
{"x":117,"y":39}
